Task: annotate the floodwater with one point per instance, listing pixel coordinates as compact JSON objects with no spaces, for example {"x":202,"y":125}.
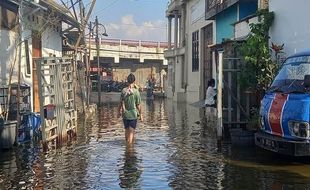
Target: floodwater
{"x":172,"y":151}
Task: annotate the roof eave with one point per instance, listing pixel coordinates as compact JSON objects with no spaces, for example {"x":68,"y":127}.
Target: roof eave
{"x":62,"y":11}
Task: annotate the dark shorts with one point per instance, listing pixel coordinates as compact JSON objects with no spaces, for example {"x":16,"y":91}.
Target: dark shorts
{"x":130,"y":123}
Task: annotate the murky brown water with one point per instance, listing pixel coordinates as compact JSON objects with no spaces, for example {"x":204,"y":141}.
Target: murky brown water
{"x":171,"y":152}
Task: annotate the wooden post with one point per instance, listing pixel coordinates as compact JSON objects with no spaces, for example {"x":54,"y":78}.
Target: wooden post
{"x":41,"y":98}
{"x":230,"y":108}
{"x":248,"y":103}
{"x":219,"y":97}
{"x":18,"y":118}
{"x":238,"y":92}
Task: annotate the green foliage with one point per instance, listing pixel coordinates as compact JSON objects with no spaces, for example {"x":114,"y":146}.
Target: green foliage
{"x":259,"y":70}
{"x":253,"y":123}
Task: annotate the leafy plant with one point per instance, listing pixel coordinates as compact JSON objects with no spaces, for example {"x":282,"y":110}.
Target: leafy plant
{"x":254,"y":119}
{"x":259,"y":70}
{"x":277,"y":50}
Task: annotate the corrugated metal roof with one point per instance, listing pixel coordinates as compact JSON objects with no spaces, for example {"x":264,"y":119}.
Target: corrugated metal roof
{"x":61,"y":10}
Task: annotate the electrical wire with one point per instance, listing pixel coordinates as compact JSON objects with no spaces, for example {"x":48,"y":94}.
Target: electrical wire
{"x":155,"y":27}
{"x":108,"y":6}
{"x":115,"y":1}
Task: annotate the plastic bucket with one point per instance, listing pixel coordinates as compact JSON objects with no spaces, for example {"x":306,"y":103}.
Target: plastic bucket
{"x":8,"y":134}
{"x":25,"y":129}
{"x":36,"y":124}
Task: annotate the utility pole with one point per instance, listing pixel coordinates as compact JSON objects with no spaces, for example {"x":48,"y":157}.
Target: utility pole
{"x":84,"y":23}
{"x":18,"y":76}
{"x":88,"y":65}
{"x":98,"y":62}
{"x":84,"y":97}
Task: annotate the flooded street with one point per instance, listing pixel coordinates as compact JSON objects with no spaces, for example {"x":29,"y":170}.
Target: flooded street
{"x":172,"y":151}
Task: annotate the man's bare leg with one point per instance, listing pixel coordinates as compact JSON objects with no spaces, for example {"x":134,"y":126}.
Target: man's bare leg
{"x":129,"y":135}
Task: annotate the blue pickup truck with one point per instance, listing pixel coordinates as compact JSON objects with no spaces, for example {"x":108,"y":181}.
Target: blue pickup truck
{"x":285,"y":109}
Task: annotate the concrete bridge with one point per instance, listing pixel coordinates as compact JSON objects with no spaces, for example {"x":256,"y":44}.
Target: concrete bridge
{"x":118,"y":58}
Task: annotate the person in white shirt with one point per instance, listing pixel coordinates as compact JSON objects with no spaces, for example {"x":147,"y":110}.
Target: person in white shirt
{"x":211,"y":94}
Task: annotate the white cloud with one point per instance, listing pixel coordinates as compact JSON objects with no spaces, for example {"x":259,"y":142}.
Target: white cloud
{"x":114,"y":26}
{"x":127,"y":28}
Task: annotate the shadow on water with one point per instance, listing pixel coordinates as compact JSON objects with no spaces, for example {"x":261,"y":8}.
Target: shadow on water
{"x":172,"y":151}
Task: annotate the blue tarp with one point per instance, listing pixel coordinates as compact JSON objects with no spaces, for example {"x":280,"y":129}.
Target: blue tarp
{"x":29,"y":126}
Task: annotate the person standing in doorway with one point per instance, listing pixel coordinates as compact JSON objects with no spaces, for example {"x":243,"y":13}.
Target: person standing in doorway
{"x":130,"y":108}
{"x":211,"y":94}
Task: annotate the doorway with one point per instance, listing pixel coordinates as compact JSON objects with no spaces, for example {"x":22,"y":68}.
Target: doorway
{"x":207,"y":55}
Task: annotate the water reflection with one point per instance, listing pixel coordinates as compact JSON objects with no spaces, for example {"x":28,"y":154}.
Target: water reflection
{"x":130,"y":172}
{"x":172,"y":151}
{"x":150,"y":105}
{"x":195,"y":150}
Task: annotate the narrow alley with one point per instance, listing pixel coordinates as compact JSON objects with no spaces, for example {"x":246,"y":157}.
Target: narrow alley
{"x":155,"y":94}
{"x":171,"y":151}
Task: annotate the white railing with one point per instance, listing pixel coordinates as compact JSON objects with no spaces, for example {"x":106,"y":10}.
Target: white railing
{"x":133,"y":43}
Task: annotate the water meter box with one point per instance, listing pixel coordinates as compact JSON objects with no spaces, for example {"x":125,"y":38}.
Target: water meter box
{"x":49,"y":111}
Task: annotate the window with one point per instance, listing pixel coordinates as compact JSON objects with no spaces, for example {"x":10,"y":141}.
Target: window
{"x":195,"y":51}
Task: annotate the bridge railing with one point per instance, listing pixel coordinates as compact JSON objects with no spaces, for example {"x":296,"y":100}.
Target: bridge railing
{"x":132,"y":43}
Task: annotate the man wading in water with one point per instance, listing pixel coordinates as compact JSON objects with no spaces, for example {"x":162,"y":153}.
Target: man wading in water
{"x":130,"y":108}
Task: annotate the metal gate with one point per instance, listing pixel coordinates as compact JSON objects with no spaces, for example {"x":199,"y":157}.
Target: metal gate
{"x":236,"y":101}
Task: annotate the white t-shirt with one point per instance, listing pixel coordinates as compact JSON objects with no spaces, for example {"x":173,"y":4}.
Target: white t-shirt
{"x":210,"y":96}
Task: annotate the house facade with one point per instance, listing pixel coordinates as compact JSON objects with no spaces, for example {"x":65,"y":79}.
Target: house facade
{"x":200,"y":35}
{"x":290,"y":26}
{"x":225,"y":13}
{"x":8,"y":39}
{"x":175,"y":54}
{"x":200,"y":29}
{"x":186,"y":55}
{"x":35,"y":33}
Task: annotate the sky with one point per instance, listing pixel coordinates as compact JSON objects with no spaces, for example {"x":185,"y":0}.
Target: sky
{"x":132,"y":19}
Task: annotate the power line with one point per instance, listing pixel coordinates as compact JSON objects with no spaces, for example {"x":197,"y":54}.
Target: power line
{"x":115,"y":1}
{"x":156,"y":27}
{"x":108,"y":6}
